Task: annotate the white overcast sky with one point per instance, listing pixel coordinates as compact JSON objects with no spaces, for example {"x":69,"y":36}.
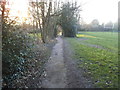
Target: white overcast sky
{"x":103,"y":10}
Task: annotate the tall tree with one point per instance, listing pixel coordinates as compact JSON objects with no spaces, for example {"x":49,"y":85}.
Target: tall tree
{"x":44,"y":14}
{"x":69,"y":19}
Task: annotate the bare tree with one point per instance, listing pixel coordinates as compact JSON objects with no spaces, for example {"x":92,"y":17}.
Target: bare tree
{"x":43,"y":13}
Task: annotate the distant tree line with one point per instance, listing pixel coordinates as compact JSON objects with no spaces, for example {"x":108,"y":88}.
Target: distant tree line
{"x":95,"y":26}
{"x":119,"y":16}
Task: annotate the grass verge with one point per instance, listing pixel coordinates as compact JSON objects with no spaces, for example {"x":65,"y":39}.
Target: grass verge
{"x":99,"y":64}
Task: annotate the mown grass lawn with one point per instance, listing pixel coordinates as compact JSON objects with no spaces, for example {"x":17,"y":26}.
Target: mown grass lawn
{"x":109,"y":40}
{"x":100,"y":64}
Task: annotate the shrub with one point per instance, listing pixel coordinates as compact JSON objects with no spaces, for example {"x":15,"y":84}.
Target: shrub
{"x":15,"y":51}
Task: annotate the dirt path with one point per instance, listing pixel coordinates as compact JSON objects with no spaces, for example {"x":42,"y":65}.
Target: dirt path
{"x":61,"y":70}
{"x":55,"y":71}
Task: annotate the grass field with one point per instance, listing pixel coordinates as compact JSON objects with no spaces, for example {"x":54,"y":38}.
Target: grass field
{"x":101,"y":64}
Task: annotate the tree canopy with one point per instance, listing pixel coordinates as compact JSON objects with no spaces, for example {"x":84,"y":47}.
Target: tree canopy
{"x":69,"y":19}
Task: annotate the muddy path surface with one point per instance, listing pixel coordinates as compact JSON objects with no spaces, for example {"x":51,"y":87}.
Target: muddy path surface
{"x":55,"y":71}
{"x":61,"y":70}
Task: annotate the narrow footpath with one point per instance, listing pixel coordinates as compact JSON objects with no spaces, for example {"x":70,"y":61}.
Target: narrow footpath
{"x":55,"y":71}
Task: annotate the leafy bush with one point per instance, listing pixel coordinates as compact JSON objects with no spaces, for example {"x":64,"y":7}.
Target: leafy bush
{"x":23,"y":58}
{"x":15,"y":51}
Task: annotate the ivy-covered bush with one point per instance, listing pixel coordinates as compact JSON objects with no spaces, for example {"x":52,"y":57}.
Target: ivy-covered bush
{"x":23,"y":57}
{"x":15,"y":51}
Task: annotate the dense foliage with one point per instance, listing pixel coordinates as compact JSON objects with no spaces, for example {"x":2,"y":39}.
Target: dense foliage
{"x":69,"y":19}
{"x":23,"y":57}
{"x":23,"y":53}
{"x":15,"y":51}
